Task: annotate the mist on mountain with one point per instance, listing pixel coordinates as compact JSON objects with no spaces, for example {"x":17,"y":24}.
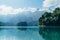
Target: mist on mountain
{"x":30,"y":17}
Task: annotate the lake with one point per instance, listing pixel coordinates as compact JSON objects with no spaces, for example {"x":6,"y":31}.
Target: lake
{"x":13,"y":33}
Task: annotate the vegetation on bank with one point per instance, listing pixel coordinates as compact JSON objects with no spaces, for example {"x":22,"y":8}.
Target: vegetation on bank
{"x":50,"y":18}
{"x":49,"y":21}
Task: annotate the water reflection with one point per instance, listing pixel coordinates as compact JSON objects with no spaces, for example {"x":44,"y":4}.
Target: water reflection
{"x":50,"y":33}
{"x":8,"y":38}
{"x":17,"y":34}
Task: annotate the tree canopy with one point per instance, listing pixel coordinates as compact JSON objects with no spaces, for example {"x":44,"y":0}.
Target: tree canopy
{"x":50,"y":19}
{"x":22,"y":24}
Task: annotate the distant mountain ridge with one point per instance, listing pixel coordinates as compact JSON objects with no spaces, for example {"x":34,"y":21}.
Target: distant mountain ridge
{"x":30,"y":17}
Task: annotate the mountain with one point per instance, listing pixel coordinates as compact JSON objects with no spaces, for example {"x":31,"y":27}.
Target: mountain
{"x":30,"y":17}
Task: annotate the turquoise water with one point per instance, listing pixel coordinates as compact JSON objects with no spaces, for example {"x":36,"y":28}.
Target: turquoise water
{"x":17,"y":34}
{"x":50,"y":33}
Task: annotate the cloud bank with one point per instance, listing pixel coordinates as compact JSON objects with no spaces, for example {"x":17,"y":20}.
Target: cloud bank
{"x":51,"y":3}
{"x":47,"y":4}
{"x":5,"y":10}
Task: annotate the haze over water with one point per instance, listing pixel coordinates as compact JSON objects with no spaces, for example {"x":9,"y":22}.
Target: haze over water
{"x":18,"y":34}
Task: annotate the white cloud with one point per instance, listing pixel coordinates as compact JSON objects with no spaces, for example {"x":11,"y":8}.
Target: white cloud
{"x":4,"y":10}
{"x":19,"y":10}
{"x":32,"y":9}
{"x":50,"y":3}
{"x":44,"y":9}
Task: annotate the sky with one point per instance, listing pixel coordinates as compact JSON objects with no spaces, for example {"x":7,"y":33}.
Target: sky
{"x":18,"y":6}
{"x":22,"y":3}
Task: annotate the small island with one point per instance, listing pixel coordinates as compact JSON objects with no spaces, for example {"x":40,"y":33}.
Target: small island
{"x":22,"y":25}
{"x":49,"y":25}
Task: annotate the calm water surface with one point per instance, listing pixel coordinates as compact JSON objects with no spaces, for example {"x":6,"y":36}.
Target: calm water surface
{"x":16,"y":34}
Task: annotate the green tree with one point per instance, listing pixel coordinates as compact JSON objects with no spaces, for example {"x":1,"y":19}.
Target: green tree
{"x":50,"y":19}
{"x":2,"y":24}
{"x":51,"y":30}
{"x":22,"y":25}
